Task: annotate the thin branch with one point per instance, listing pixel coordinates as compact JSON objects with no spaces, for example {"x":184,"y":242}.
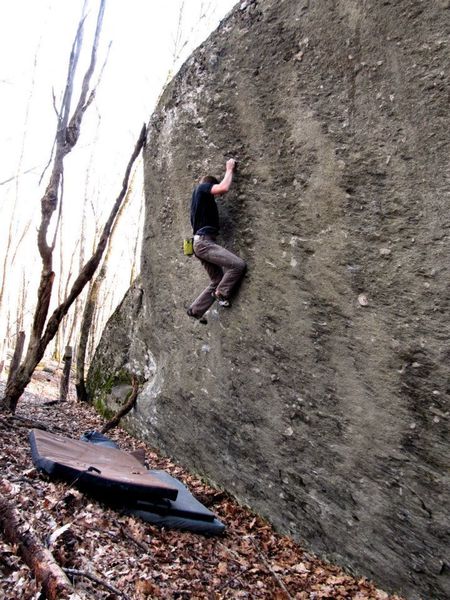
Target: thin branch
{"x":97,"y":580}
{"x":236,"y":577}
{"x":63,"y":112}
{"x":269,"y":568}
{"x":73,"y":127}
{"x":178,"y":35}
{"x":144,"y":547}
{"x":49,"y":162}
{"x":12,"y":221}
{"x":73,"y":62}
{"x":5,"y":181}
{"x":54,"y":103}
{"x":20,"y":240}
{"x":20,"y":421}
{"x":17,"y":321}
{"x":99,"y":78}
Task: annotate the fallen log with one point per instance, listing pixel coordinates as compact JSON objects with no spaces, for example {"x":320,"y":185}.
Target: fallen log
{"x":55,"y":584}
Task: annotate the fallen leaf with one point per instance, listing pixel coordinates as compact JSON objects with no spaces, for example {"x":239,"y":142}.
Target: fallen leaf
{"x":300,"y":568}
{"x":222,"y":568}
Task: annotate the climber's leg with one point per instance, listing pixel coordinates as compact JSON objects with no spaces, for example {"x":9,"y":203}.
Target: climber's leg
{"x":232,"y":266}
{"x":206,"y":298}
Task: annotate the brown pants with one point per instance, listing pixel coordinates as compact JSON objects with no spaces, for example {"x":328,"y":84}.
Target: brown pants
{"x":224,"y":268}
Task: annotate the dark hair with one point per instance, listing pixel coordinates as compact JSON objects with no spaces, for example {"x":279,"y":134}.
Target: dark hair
{"x":209,"y":179}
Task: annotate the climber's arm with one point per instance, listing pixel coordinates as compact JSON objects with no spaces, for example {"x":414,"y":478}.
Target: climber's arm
{"x":223,"y":187}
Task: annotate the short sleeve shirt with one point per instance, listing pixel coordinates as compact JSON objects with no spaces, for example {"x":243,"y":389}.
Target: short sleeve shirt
{"x":204,"y":212}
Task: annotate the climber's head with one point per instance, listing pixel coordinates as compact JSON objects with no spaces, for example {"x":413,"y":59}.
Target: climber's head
{"x":209,"y":179}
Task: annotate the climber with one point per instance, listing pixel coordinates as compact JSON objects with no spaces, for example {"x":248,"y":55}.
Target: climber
{"x":224,"y":268}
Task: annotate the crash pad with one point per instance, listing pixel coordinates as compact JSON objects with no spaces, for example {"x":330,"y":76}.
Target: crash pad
{"x":114,"y":475}
{"x":97,"y":466}
{"x":185,"y":513}
{"x":95,"y":437}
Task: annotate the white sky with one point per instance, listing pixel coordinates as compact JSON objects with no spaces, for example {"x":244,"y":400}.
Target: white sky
{"x":35,"y":41}
{"x":142,"y":34}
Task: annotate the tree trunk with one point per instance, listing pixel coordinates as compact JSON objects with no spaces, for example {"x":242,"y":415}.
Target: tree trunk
{"x":17,"y":356}
{"x":64,"y":385}
{"x":86,"y":322}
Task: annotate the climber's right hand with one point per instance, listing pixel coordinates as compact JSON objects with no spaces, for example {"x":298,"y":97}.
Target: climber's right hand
{"x":231,"y":164}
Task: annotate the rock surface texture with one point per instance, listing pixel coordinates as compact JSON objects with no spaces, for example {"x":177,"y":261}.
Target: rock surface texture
{"x":319,"y":397}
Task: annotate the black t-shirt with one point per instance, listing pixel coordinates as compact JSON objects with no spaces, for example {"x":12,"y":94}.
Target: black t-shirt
{"x":204,"y":212}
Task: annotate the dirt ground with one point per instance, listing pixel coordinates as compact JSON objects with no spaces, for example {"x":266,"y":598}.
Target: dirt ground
{"x":133,"y":559}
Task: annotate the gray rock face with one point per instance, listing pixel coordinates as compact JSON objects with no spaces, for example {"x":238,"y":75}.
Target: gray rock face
{"x":319,"y":397}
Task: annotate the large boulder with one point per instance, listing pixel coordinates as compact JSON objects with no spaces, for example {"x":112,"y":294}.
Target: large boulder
{"x":319,"y":397}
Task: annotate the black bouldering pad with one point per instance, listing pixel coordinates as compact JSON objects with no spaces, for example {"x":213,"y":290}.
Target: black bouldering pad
{"x":185,"y":513}
{"x":109,"y":473}
{"x":95,"y":437}
{"x":96,"y":466}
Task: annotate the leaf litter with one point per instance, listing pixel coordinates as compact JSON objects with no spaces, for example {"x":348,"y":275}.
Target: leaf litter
{"x":109,"y":555}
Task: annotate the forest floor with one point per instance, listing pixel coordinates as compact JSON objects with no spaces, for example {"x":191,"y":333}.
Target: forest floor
{"x":132,"y":559}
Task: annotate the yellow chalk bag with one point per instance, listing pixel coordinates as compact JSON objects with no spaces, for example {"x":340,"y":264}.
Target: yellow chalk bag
{"x":188,"y":246}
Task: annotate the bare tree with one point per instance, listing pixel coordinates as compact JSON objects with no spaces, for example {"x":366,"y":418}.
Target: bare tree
{"x":36,"y":351}
{"x":67,"y":135}
{"x":5,"y":342}
{"x":91,"y":302}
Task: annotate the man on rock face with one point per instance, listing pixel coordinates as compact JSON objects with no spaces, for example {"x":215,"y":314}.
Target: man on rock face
{"x":224,"y":268}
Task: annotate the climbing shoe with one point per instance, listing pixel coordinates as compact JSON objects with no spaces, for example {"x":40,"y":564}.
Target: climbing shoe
{"x":222,"y":301}
{"x":201,"y":319}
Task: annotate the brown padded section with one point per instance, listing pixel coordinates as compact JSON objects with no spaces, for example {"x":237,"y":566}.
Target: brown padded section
{"x":114,"y":465}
